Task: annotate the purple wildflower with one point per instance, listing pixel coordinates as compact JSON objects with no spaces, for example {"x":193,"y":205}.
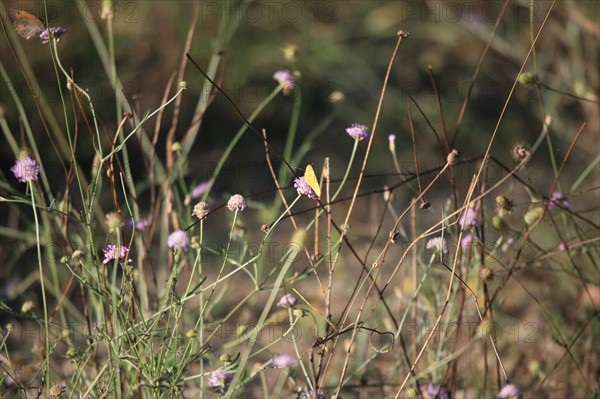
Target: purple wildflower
{"x":220,"y":379}
{"x":310,"y":394}
{"x":467,"y":240}
{"x":178,"y":239}
{"x":510,"y":391}
{"x":141,"y":224}
{"x":392,"y":142}
{"x":287,"y":301}
{"x":283,"y":361}
{"x":436,"y":391}
{"x":468,"y":218}
{"x":358,"y":132}
{"x":53,"y":31}
{"x":236,"y":203}
{"x":112,"y":252}
{"x":26,"y":170}
{"x":200,"y":189}
{"x":285,"y":79}
{"x":558,"y":199}
{"x":304,"y":189}
{"x":563,"y":246}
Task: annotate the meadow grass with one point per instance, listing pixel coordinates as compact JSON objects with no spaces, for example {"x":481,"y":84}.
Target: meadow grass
{"x":431,"y":270}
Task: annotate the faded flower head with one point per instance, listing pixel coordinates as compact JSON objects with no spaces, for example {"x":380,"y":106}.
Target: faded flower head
{"x":236,"y":203}
{"x":510,"y":391}
{"x":26,"y":170}
{"x":358,"y":132}
{"x":304,"y":189}
{"x":220,"y":379}
{"x":112,"y":252}
{"x":558,"y":199}
{"x":283,"y":361}
{"x":26,"y":306}
{"x":77,"y":254}
{"x":287,"y":301}
{"x":438,"y":244}
{"x":528,"y":78}
{"x":113,"y":221}
{"x":57,"y":390}
{"x":504,"y":204}
{"x":436,"y":391}
{"x":178,"y":240}
{"x":285,"y":79}
{"x":336,"y":96}
{"x":290,"y":52}
{"x":201,"y":210}
{"x":53,"y":31}
{"x":453,"y":157}
{"x":520,"y":152}
{"x":533,"y":215}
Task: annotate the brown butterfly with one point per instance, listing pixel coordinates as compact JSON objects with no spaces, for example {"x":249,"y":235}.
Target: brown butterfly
{"x":27,"y":25}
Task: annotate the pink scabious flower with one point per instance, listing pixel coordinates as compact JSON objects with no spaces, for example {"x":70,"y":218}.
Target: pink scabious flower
{"x":310,"y":394}
{"x":236,"y":203}
{"x":200,"y":189}
{"x":468,"y":218}
{"x":358,"y":132}
{"x":510,"y":391}
{"x":287,"y":301}
{"x":467,"y":240}
{"x":563,"y":246}
{"x":112,"y":252}
{"x":285,"y":79}
{"x":53,"y":31}
{"x":220,"y":379}
{"x":304,"y":189}
{"x":392,"y":142}
{"x":178,"y":240}
{"x":558,"y":199}
{"x":141,"y":224}
{"x":26,"y":170}
{"x":436,"y":391}
{"x":283,"y":361}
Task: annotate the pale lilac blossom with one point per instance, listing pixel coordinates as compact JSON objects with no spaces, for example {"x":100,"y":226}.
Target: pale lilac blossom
{"x":304,"y":189}
{"x":236,"y":203}
{"x":286,"y":301}
{"x":112,"y":252}
{"x":358,"y":132}
{"x":26,"y":170}
{"x":178,"y":240}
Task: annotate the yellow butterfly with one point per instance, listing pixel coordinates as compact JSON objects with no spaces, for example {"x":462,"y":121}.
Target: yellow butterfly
{"x":311,"y":179}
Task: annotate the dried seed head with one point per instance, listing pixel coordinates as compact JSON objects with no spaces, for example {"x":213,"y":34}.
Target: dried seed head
{"x":486,"y":274}
{"x":520,"y":152}
{"x":504,"y":204}
{"x":452,"y":158}
{"x":57,"y":390}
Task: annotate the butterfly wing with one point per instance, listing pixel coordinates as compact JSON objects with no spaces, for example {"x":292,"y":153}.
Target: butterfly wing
{"x":27,"y":25}
{"x":311,"y":179}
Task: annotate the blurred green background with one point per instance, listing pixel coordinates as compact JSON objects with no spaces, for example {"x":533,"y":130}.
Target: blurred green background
{"x":344,"y":46}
